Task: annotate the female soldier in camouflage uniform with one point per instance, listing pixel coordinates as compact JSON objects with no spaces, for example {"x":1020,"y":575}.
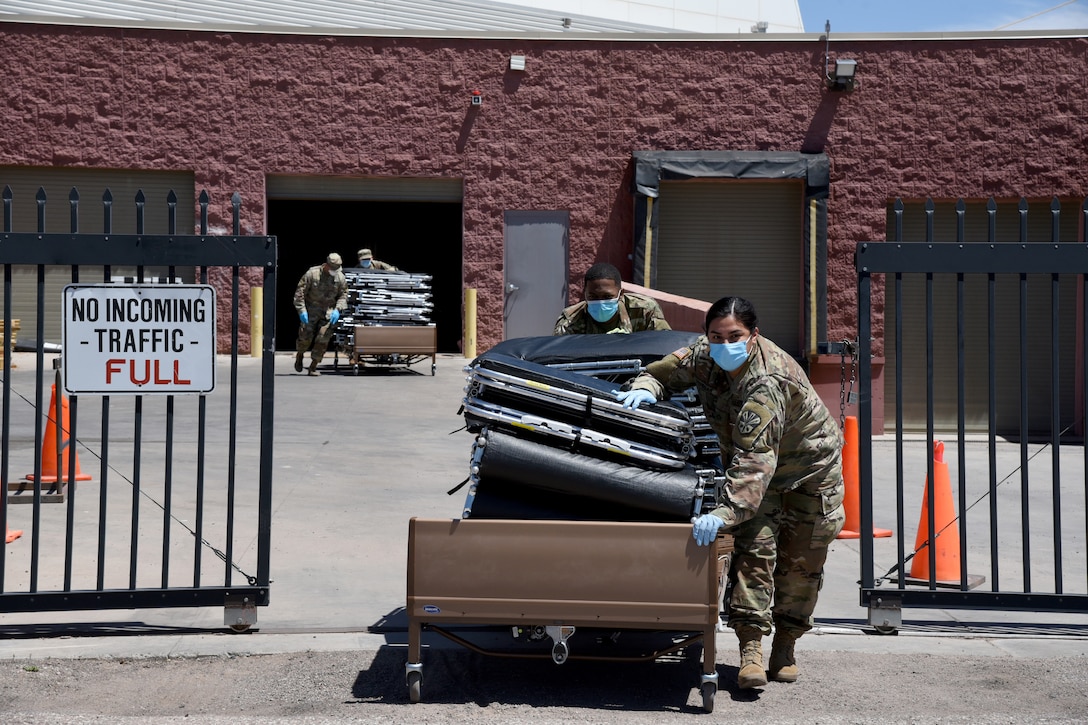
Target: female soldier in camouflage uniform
{"x":782,"y":498}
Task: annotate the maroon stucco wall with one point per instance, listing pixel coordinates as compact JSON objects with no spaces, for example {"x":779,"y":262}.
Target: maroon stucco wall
{"x":948,"y":119}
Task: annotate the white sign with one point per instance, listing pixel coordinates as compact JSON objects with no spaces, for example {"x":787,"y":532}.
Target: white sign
{"x":139,"y":338}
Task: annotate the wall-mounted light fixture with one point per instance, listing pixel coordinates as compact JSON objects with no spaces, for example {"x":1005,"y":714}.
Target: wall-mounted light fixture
{"x":477,"y":98}
{"x":517,"y":62}
{"x":844,"y":75}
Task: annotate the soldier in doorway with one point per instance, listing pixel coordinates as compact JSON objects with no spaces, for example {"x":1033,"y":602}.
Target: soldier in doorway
{"x":607,"y":308}
{"x":321,"y":295}
{"x":367,"y":261}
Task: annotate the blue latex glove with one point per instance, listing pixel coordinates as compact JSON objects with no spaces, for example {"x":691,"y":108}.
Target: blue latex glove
{"x":305,"y":317}
{"x":634,"y":398}
{"x":334,"y":317}
{"x":706,"y":528}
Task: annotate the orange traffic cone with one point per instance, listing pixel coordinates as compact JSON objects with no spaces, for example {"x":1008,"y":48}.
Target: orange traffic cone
{"x":49,"y":445}
{"x":946,"y":542}
{"x":851,"y":476}
{"x":13,"y":535}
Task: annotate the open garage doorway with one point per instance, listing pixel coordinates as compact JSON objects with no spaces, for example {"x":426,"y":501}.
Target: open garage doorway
{"x":420,"y":237}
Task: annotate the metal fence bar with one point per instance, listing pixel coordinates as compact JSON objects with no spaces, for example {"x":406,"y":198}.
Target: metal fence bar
{"x":36,"y":514}
{"x":865,"y":428}
{"x":134,"y":515}
{"x":104,"y":453}
{"x":961,"y":414}
{"x":168,"y":472}
{"x":236,"y":203}
{"x":268,"y":377}
{"x":1084,"y":364}
{"x":202,"y":420}
{"x":991,"y":339}
{"x":931,"y":548}
{"x":991,"y":357}
{"x":1055,"y":400}
{"x":138,"y":423}
{"x":72,"y":434}
{"x":5,"y":410}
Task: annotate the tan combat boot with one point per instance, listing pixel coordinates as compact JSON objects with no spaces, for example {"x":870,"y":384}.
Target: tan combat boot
{"x":298,"y":362}
{"x":783,"y":666}
{"x":752,"y":673}
{"x":313,"y":369}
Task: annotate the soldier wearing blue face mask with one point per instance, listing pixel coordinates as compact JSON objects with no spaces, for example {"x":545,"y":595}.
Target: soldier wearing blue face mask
{"x":367,"y":261}
{"x":782,"y":500}
{"x":607,"y":308}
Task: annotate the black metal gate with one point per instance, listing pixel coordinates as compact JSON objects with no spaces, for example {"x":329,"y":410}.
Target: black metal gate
{"x":170,"y":486}
{"x":1015,"y":537}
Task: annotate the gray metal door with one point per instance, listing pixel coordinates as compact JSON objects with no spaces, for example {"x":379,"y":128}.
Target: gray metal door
{"x":535,"y":260}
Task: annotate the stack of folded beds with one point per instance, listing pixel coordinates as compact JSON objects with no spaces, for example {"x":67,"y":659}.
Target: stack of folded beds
{"x":551,"y":440}
{"x":383,"y":297}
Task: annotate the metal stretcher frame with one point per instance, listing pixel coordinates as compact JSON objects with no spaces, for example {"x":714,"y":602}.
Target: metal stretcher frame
{"x":577,"y":403}
{"x":565,"y":575}
{"x":584,"y":437}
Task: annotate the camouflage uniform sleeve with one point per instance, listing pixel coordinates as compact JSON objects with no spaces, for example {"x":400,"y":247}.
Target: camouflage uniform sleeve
{"x":671,"y":374}
{"x":656,"y":318}
{"x":300,"y":293}
{"x":566,"y":319}
{"x":341,"y":292}
{"x":757,"y":433}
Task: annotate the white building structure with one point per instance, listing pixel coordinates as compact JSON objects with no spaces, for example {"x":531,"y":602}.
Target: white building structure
{"x":531,"y":16}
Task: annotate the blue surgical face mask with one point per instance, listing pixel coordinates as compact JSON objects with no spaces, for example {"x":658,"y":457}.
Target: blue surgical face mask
{"x":603,"y":310}
{"x":730,"y":355}
{"x":365,"y":263}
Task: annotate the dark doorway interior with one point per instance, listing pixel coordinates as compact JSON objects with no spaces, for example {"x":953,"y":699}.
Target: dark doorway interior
{"x":414,"y":236}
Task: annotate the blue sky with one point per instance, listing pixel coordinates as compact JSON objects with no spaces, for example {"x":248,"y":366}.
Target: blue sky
{"x":887,"y":16}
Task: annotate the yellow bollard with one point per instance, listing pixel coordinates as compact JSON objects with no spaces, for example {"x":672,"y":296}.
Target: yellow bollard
{"x":256,"y":321}
{"x":470,"y":322}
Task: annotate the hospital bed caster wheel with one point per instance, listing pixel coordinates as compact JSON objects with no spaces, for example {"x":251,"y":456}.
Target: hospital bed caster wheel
{"x":560,"y":652}
{"x":709,"y":689}
{"x":415,"y":678}
{"x":432,"y":369}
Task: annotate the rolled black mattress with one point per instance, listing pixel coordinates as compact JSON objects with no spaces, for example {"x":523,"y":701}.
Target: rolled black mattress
{"x":511,"y":463}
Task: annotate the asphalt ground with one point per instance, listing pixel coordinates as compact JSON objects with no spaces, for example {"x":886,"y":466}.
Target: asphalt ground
{"x":356,"y":456}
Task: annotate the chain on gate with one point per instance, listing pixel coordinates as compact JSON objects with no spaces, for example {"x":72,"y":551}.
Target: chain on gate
{"x":847,"y":397}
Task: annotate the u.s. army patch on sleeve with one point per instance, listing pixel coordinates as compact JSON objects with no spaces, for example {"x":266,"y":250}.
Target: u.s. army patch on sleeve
{"x":751,"y":421}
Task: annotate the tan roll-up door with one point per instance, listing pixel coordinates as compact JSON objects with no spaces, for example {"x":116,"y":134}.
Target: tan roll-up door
{"x":736,"y":237}
{"x":1007,"y":295}
{"x":25,"y":181}
{"x":351,"y":188}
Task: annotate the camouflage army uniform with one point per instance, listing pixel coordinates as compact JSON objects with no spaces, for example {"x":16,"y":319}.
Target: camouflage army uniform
{"x":783,"y":464}
{"x":319,"y":294}
{"x":636,"y":314}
